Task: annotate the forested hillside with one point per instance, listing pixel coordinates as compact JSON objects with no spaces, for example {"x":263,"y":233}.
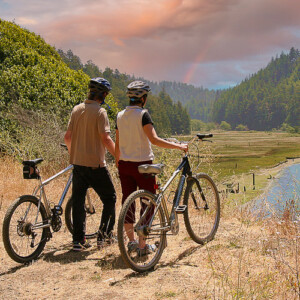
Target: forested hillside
{"x":169,"y":116}
{"x":267,"y":99}
{"x":37,"y":92}
{"x":197,"y":100}
{"x":39,"y":85}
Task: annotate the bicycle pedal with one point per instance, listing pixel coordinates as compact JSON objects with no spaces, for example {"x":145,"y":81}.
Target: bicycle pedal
{"x":180,"y":209}
{"x":57,"y":210}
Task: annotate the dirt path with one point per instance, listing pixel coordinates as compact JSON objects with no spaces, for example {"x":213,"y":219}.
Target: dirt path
{"x":184,"y":272}
{"x":236,"y":262}
{"x":246,"y":260}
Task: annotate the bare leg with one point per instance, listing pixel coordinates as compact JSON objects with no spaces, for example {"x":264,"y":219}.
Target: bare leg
{"x":142,"y":242}
{"x":129,"y":231}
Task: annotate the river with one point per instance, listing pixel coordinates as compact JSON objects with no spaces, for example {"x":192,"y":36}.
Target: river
{"x":283,"y":194}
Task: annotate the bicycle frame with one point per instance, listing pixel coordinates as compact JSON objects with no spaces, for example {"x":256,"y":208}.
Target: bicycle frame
{"x":185,"y":169}
{"x":41,"y":189}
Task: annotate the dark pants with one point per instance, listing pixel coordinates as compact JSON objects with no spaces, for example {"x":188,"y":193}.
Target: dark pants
{"x":99,"y":179}
{"x":131,"y":179}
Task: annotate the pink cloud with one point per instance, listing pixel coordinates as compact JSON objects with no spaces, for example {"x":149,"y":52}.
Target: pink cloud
{"x":160,"y":39}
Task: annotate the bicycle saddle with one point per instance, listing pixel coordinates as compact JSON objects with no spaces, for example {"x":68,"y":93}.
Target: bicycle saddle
{"x":151,"y":169}
{"x":32,"y":163}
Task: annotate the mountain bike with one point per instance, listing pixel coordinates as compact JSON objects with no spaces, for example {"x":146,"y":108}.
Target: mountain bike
{"x":29,"y":220}
{"x":145,"y":218}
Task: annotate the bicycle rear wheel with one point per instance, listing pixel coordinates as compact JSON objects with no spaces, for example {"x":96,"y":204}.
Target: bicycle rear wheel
{"x":22,"y":240}
{"x":202,"y":215}
{"x":134,"y":231}
{"x":93,"y":210}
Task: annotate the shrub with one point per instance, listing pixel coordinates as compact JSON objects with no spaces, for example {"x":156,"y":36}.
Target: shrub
{"x":37,"y":91}
{"x":241,"y":127}
{"x":288,"y":128}
{"x":225,"y":126}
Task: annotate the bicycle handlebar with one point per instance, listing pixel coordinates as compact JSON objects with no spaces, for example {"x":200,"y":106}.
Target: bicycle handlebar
{"x":200,"y":136}
{"x":205,"y":135}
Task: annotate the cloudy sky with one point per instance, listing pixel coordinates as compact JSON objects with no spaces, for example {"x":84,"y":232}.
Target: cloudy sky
{"x":209,"y":43}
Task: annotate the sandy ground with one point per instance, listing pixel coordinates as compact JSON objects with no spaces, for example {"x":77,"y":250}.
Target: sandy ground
{"x":238,"y":264}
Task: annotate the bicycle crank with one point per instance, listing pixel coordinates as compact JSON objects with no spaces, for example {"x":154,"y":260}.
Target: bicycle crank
{"x":174,"y":226}
{"x":56,"y":223}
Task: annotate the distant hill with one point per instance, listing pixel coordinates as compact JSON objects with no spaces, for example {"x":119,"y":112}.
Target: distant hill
{"x":169,"y":116}
{"x":267,"y":99}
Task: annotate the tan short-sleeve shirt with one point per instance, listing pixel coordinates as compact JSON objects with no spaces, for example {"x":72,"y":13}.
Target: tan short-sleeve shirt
{"x":88,"y":120}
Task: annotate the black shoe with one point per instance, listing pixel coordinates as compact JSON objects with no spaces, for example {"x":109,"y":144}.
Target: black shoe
{"x":80,"y":246}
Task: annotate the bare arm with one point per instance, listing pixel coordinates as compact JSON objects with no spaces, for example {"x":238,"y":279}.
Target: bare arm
{"x":117,"y":148}
{"x":108,"y":143}
{"x":155,"y":140}
{"x":68,"y":139}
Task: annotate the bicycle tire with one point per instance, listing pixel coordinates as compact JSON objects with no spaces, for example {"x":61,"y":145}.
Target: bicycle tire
{"x":144,"y":204}
{"x":92,"y":218}
{"x":201,"y":217}
{"x":23,"y":229}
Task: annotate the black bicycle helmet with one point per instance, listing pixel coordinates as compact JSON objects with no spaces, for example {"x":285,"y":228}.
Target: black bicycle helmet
{"x":137,"y":89}
{"x":100,"y":84}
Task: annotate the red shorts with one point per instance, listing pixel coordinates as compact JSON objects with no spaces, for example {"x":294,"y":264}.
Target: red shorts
{"x":131,"y":180}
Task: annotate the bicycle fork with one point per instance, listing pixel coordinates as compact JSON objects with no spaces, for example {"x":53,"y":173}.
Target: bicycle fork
{"x":202,"y":196}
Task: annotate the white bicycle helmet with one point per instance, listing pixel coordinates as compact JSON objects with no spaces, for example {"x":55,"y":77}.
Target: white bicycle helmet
{"x":137,"y":89}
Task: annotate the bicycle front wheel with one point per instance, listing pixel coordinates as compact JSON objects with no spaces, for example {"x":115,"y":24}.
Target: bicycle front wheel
{"x":23,"y":237}
{"x":141,"y":234}
{"x":202,"y":215}
{"x":93,"y":212}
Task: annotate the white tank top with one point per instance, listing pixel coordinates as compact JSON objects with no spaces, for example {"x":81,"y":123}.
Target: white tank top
{"x":133,"y":143}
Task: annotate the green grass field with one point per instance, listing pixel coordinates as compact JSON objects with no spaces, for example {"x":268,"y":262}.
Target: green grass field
{"x":242,"y":152}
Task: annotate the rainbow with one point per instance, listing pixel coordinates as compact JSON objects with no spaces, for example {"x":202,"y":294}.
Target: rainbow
{"x":201,"y":57}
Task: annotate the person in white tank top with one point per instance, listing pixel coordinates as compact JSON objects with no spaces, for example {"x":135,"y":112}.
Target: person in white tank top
{"x":134,"y":135}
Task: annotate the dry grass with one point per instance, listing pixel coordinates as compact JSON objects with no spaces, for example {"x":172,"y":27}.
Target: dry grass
{"x":247,"y":260}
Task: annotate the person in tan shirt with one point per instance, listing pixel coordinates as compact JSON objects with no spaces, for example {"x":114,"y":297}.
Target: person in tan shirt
{"x":87,"y":138}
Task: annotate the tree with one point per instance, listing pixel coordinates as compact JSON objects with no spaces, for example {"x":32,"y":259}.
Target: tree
{"x":91,"y":69}
{"x":266,"y":99}
{"x":225,"y":126}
